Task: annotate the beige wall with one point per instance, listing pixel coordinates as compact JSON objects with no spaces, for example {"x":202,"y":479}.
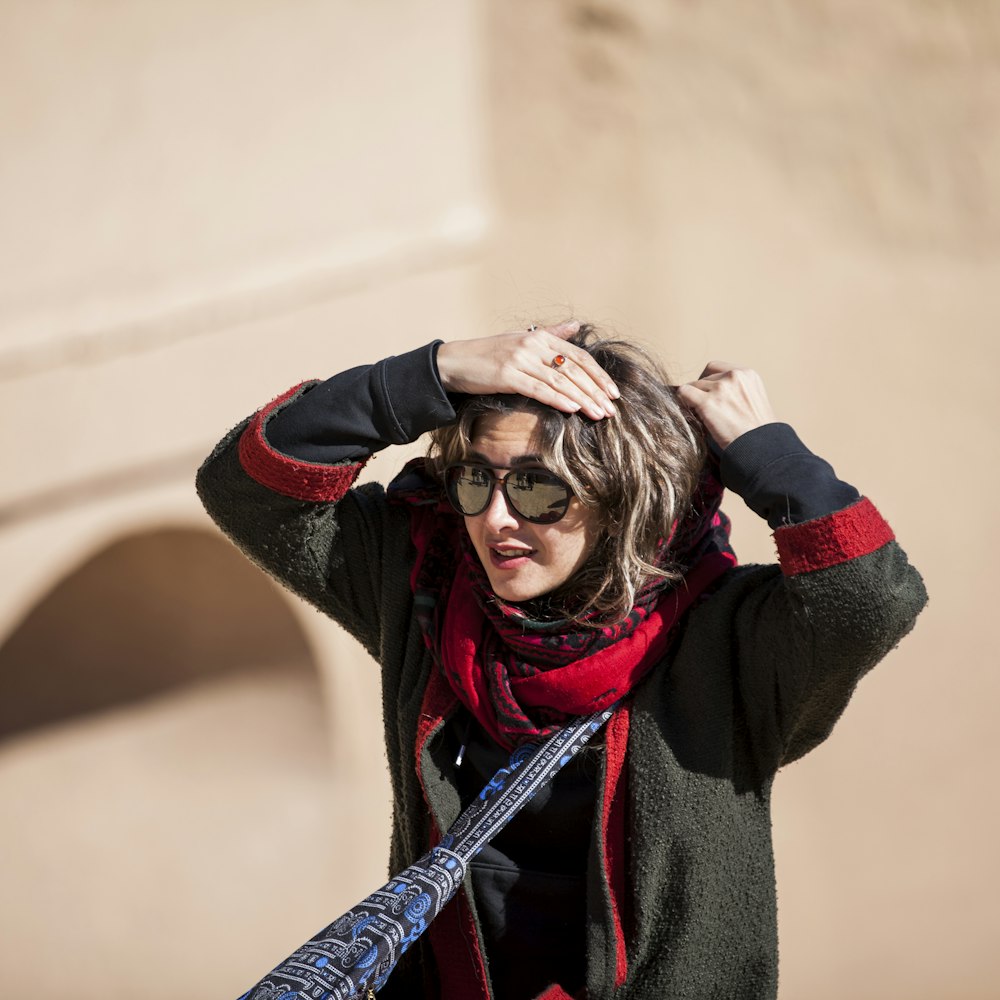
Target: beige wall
{"x":204,"y":203}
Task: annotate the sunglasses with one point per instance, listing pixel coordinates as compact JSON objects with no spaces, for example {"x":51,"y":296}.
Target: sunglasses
{"x":537,"y":495}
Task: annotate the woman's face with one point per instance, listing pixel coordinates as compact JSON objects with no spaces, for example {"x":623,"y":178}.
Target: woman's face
{"x":523,"y":560}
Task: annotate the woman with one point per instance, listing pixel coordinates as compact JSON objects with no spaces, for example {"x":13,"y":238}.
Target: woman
{"x":561,"y":550}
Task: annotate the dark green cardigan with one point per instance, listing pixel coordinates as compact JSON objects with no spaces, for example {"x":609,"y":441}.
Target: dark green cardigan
{"x":758,"y":677}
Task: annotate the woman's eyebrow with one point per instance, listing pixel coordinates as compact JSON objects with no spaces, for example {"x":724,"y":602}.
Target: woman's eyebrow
{"x":478,"y":456}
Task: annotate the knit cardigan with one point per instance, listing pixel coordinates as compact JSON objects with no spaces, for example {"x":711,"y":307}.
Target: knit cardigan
{"x":757,"y":677}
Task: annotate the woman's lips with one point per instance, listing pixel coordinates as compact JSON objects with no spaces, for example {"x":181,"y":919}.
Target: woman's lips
{"x":504,"y":558}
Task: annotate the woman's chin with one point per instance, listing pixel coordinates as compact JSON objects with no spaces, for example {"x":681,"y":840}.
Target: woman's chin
{"x":517,"y":595}
{"x":510,"y":588}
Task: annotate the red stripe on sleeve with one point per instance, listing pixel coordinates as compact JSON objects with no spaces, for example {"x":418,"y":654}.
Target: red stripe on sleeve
{"x":288,"y":476}
{"x":836,"y":538}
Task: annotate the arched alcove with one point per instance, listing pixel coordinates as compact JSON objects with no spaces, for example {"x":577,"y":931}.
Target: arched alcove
{"x":145,"y":614}
{"x":166,"y":784}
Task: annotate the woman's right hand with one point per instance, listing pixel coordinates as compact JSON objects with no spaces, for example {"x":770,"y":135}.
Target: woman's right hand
{"x":521,"y":362}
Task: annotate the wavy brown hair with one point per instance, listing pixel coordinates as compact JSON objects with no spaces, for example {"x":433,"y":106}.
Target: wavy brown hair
{"x":637,"y":470}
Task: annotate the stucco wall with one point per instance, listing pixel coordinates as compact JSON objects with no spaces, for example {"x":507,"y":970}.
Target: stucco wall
{"x":201,"y":204}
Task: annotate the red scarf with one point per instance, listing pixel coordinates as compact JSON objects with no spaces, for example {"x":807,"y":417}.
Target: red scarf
{"x":523,"y":679}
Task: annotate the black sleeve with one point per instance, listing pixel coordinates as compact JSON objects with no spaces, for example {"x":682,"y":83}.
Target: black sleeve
{"x":363,"y":410}
{"x":780,"y":479}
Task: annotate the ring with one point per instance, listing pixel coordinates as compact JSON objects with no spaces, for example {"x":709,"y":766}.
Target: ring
{"x":558,"y":361}
{"x":532,"y":328}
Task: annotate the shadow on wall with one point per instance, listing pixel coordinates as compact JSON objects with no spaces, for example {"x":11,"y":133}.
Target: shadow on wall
{"x":165,"y":772}
{"x":147,"y":614}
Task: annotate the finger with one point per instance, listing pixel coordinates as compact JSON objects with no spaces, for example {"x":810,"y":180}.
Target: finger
{"x":566,"y":386}
{"x":537,"y":352}
{"x":715,"y":380}
{"x":566,"y":329}
{"x":691,"y":395}
{"x":708,"y":383}
{"x":701,"y":386}
{"x":549,"y":385}
{"x":582,"y":357}
{"x":562,"y":330}
{"x":572,"y":379}
{"x":591,"y":377}
{"x":535,"y":388}
{"x":719,"y":368}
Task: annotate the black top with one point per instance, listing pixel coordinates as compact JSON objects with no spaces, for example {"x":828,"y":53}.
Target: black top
{"x":530,"y":880}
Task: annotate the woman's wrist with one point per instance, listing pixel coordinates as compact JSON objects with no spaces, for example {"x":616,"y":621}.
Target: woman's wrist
{"x":446,"y":364}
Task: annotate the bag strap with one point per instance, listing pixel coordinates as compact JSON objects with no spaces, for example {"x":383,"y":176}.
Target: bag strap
{"x":354,"y":955}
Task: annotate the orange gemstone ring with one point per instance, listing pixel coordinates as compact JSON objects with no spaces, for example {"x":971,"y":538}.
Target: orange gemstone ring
{"x":558,"y":361}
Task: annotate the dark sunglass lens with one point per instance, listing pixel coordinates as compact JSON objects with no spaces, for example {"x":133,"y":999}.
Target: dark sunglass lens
{"x":538,"y":496}
{"x":469,"y":488}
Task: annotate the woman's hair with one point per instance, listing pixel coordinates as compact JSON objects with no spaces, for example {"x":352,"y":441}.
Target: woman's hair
{"x":637,"y":470}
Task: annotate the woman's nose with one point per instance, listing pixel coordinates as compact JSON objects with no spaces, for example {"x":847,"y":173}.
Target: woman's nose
{"x":498,"y":513}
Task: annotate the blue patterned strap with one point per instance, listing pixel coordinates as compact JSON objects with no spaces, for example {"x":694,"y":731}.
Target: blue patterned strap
{"x":355,"y":954}
{"x":531,"y":767}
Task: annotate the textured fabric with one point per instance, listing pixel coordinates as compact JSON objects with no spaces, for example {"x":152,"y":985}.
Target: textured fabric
{"x":844,"y":535}
{"x":758,"y":676}
{"x":290,"y":477}
{"x":358,"y":412}
{"x":780,"y":479}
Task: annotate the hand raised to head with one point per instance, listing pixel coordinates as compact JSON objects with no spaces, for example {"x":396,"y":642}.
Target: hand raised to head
{"x":537,"y":363}
{"x":728,"y":400}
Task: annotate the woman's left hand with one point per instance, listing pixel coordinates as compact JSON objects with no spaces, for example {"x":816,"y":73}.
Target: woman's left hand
{"x":728,"y":400}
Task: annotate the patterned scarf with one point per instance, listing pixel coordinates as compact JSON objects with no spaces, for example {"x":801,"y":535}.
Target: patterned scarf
{"x":523,"y":678}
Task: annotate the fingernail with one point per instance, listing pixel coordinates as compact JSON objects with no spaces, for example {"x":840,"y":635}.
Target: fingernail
{"x":613,"y":391}
{"x":574,"y":324}
{"x":611,"y":411}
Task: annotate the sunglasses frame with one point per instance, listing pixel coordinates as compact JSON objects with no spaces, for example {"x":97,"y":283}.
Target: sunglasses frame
{"x":495,"y":480}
